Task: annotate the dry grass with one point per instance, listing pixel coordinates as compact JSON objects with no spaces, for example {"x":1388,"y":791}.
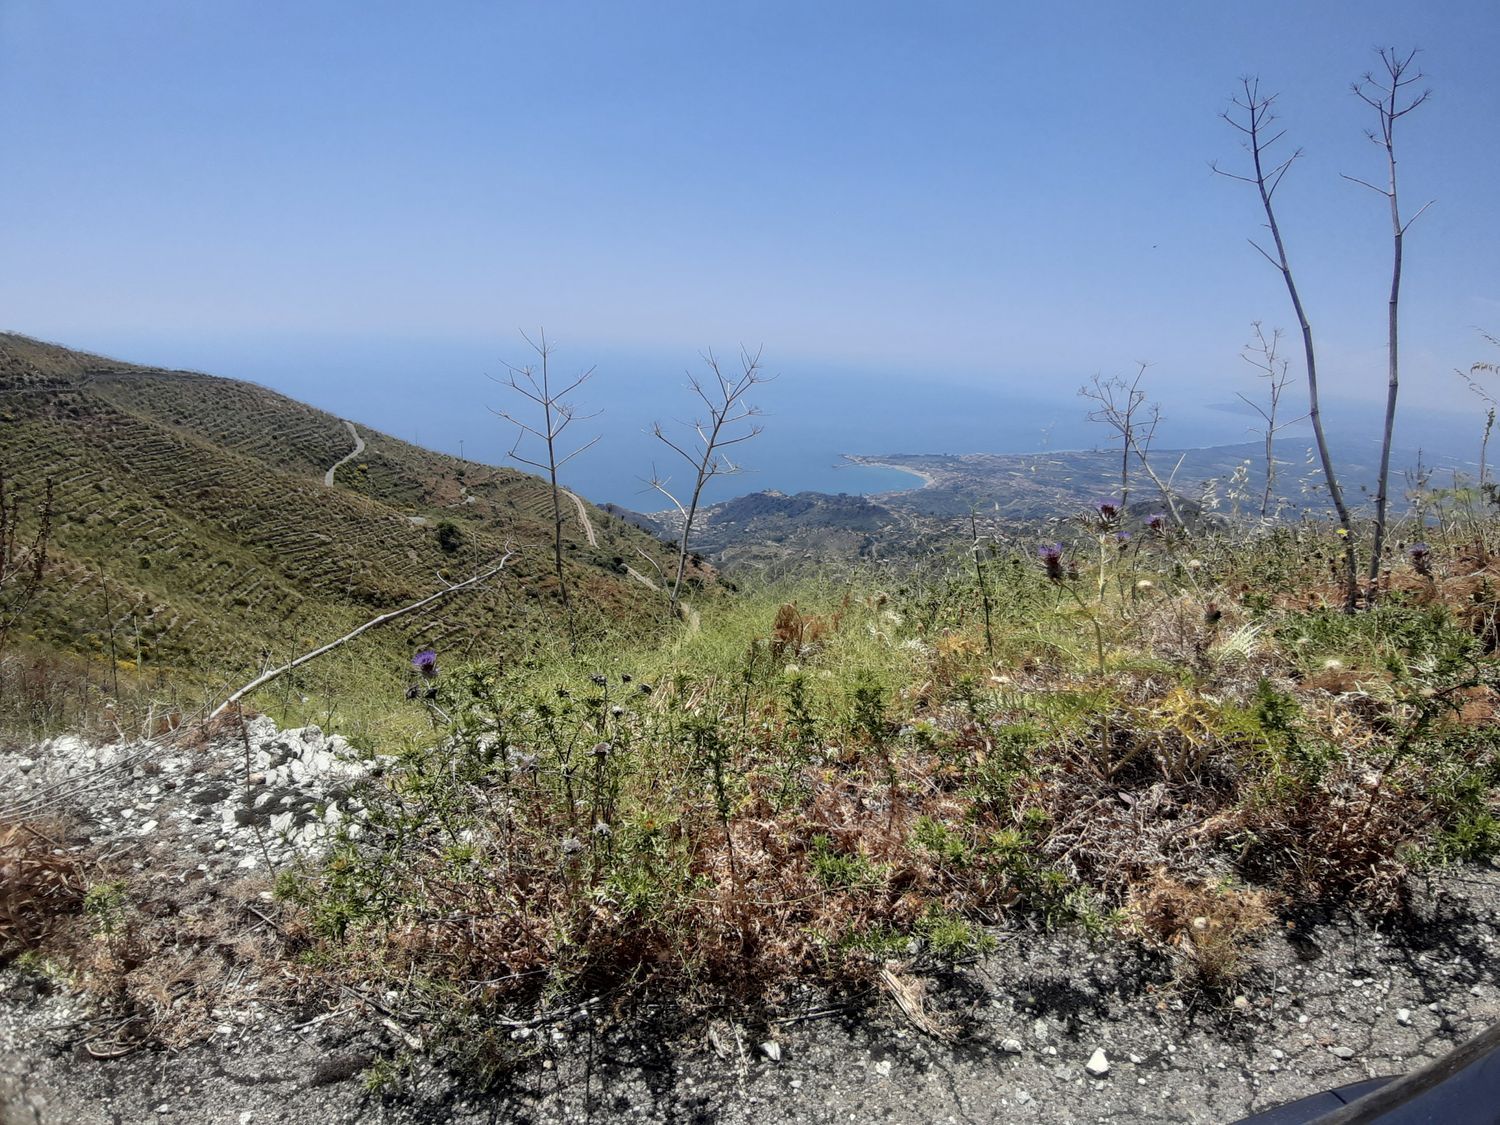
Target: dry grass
{"x":40,"y":884}
{"x":1209,"y":929}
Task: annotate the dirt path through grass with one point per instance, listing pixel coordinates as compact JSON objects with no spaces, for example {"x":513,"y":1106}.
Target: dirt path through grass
{"x":583,"y":518}
{"x":359,"y":447}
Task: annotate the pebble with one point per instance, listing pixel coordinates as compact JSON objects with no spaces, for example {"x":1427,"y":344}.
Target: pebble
{"x":771,"y":1049}
{"x":1342,"y":1052}
{"x":883,"y":1068}
{"x":1403,"y":1016}
{"x":1011,"y":1046}
{"x":1098,"y":1064}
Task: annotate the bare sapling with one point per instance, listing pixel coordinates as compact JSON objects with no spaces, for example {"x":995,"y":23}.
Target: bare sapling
{"x":1123,"y":407}
{"x":1263,"y":353}
{"x":1251,"y":116}
{"x":534,"y":384}
{"x":23,"y":559}
{"x":728,"y":423}
{"x":1390,"y":96}
{"x":1472,"y":378}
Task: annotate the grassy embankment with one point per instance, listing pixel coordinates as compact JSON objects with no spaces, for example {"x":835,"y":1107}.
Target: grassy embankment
{"x":1175,"y":742}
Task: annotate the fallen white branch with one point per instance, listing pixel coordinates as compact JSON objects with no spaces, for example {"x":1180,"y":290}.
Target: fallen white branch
{"x":262,"y":680}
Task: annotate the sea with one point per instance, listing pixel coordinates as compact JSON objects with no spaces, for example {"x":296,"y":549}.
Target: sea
{"x":444,"y":394}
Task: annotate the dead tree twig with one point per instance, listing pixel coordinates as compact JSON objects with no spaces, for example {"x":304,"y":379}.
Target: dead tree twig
{"x":265,"y":678}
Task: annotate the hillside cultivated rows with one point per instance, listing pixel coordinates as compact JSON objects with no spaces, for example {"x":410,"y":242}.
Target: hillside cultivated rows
{"x":191,"y":518}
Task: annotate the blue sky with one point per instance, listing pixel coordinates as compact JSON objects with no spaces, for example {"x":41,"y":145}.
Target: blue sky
{"x":969,"y":193}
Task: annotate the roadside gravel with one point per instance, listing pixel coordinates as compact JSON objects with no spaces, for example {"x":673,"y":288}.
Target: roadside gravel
{"x":1055,"y":1027}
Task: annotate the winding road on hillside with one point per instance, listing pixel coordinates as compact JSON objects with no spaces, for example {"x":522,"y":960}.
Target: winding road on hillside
{"x":359,"y":447}
{"x":588,"y":530}
{"x":583,"y":517}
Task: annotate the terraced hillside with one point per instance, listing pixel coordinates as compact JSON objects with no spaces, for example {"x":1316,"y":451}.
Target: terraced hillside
{"x":193,"y":528}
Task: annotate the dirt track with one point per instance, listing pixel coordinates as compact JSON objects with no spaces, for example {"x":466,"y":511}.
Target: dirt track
{"x":359,"y":447}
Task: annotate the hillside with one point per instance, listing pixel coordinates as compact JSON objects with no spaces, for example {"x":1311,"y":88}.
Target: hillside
{"x":193,"y":528}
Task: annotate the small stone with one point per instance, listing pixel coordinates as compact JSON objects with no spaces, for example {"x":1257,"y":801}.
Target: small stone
{"x":1136,"y":1060}
{"x":1023,"y":1098}
{"x":1242,"y":1003}
{"x":883,"y":1068}
{"x":1403,"y":1016}
{"x":1039,"y":1029}
{"x":771,"y":1049}
{"x":1342,"y":1052}
{"x":1011,"y":1046}
{"x":1277,"y":1053}
{"x":1098,"y":1064}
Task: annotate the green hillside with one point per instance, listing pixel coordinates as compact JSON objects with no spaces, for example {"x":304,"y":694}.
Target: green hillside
{"x":193,"y":529}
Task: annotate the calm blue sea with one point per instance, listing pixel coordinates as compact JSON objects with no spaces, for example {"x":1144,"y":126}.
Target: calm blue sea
{"x":437,"y":394}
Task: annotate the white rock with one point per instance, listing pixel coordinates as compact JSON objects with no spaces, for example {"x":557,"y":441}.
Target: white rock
{"x":1403,"y":1016}
{"x":1098,"y":1064}
{"x":771,"y":1049}
{"x":1011,"y":1046}
{"x":883,"y":1068}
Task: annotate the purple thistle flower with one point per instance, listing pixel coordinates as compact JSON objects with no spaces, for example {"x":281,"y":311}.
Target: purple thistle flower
{"x":425,"y":662}
{"x":1108,"y":509}
{"x":1421,"y":557}
{"x":1051,"y":555}
{"x":1157,"y":522}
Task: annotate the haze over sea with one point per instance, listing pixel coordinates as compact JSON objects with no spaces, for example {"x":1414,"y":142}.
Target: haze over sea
{"x":437,"y":394}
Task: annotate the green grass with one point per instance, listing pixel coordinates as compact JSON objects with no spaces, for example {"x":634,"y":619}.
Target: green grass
{"x":721,"y":812}
{"x":193,"y":534}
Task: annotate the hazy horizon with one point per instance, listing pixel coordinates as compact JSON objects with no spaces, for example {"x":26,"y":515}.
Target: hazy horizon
{"x":436,"y":394}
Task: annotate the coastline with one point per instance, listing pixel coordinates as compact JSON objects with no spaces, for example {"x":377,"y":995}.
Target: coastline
{"x":927,"y":479}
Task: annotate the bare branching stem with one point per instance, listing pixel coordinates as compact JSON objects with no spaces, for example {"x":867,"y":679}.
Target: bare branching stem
{"x":1390,"y":96}
{"x":534,"y":384}
{"x":1263,"y":354}
{"x":728,"y":423}
{"x":1123,"y":407}
{"x":1251,"y":116}
{"x":23,"y":561}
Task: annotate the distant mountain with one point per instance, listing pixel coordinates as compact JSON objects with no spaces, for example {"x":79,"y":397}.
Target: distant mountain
{"x":193,"y":526}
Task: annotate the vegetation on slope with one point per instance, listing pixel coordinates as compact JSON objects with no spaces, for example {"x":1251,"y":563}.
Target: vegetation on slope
{"x":1174,"y":741}
{"x":1170,"y":737}
{"x":193,"y":533}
